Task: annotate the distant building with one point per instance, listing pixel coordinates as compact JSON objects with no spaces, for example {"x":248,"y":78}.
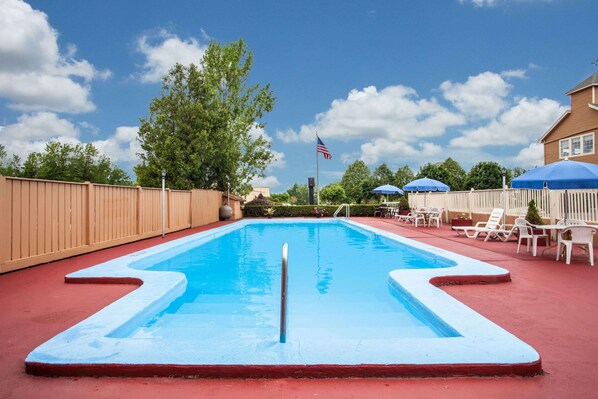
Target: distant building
{"x":573,"y":135}
{"x":264,"y":191}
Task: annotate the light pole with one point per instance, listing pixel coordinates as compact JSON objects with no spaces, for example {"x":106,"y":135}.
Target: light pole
{"x":163,"y":201}
{"x":504,"y":197}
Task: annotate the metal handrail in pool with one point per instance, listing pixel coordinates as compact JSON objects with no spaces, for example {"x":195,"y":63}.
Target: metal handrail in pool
{"x":283,"y":294}
{"x":347,"y":210}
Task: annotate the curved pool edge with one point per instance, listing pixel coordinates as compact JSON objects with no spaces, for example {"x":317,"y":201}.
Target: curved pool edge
{"x":159,"y":288}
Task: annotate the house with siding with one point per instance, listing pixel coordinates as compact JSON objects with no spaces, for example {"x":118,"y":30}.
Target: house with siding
{"x":573,"y":135}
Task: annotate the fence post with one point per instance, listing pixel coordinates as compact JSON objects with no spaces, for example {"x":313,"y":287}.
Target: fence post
{"x":168,"y":210}
{"x":5,"y":237}
{"x":469,"y":195}
{"x":553,"y":208}
{"x":139,"y":213}
{"x":90,"y":216}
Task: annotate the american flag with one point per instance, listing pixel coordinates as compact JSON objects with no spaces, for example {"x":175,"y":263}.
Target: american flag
{"x":322,"y":148}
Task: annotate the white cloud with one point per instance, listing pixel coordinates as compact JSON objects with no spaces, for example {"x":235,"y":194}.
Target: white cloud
{"x":378,"y":149}
{"x":394,"y":113}
{"x":268,"y":181}
{"x":521,"y":124}
{"x":32,"y":132}
{"x":122,"y":146}
{"x":493,"y":3}
{"x":482,"y":96}
{"x":34,"y":76}
{"x":163,"y":50}
{"x":530,"y":156}
{"x":480,"y":3}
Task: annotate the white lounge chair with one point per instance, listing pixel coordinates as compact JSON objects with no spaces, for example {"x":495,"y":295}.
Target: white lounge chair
{"x":580,"y":235}
{"x":491,"y":228}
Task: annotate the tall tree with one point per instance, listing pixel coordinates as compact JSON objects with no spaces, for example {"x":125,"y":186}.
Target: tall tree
{"x":484,"y":176}
{"x":456,"y":174}
{"x":383,"y":175}
{"x":299,"y":194}
{"x":434,"y":171}
{"x":356,"y":175}
{"x":200,"y":129}
{"x":403,"y":176}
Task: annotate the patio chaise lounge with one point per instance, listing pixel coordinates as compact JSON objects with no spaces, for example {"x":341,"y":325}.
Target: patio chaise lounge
{"x":492,"y":228}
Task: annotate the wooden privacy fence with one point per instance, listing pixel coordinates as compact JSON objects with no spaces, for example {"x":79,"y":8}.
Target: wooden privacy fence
{"x":42,"y":221}
{"x":582,"y":204}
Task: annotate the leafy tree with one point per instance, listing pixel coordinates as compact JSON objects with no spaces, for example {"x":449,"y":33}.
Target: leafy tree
{"x":10,"y":166}
{"x":199,"y":129}
{"x":403,"y":176}
{"x":67,"y":162}
{"x":456,"y":175}
{"x":434,"y":171}
{"x":280,"y":198}
{"x":333,"y":194}
{"x":298,"y":194}
{"x":517,"y":171}
{"x":383,"y":175}
{"x":484,"y":176}
{"x":356,"y":177}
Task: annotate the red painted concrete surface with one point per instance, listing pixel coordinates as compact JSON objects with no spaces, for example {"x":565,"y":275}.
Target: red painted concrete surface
{"x":550,"y":305}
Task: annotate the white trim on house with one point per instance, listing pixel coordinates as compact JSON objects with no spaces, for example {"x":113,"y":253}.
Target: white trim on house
{"x":569,"y":141}
{"x":554,"y":125}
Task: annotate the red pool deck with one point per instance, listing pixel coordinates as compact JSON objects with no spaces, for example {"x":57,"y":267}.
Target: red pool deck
{"x":549,"y":305}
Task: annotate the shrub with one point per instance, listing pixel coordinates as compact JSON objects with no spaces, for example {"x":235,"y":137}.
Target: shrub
{"x":305,"y":210}
{"x":533,"y":215}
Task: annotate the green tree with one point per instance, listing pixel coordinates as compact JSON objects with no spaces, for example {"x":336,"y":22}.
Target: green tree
{"x":517,"y":171}
{"x":76,"y":163}
{"x":10,"y":166}
{"x":484,"y":176}
{"x":356,"y":177}
{"x":403,"y":176}
{"x":298,"y":194}
{"x":434,"y":171}
{"x":456,"y":174}
{"x":199,"y":129}
{"x":280,"y":198}
{"x":333,"y":194}
{"x":383,"y":175}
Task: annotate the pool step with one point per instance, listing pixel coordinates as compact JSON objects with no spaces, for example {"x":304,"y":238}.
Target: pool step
{"x":329,"y":320}
{"x":265,"y":334}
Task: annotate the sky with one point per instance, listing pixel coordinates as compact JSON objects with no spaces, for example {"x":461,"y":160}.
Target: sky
{"x":402,"y":82}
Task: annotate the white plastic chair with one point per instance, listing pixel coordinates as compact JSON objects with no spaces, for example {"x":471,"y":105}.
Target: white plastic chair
{"x":527,"y":232}
{"x":580,"y":235}
{"x":436,"y":218}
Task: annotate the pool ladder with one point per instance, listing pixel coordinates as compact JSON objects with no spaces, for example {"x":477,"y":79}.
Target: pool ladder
{"x":283,"y":294}
{"x":340,"y":208}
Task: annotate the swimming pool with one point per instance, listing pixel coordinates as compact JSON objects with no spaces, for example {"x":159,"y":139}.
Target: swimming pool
{"x":363,"y":306}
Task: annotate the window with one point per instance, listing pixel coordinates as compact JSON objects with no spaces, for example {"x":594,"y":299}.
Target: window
{"x":565,"y":148}
{"x":588,"y":143}
{"x":582,"y":144}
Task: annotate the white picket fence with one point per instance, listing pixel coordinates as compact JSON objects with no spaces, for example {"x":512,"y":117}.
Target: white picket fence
{"x":582,"y":204}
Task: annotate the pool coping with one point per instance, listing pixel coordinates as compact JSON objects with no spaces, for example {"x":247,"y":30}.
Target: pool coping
{"x":55,"y":357}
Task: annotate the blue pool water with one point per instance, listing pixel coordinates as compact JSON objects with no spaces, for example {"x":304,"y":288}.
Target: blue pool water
{"x":338,"y":287}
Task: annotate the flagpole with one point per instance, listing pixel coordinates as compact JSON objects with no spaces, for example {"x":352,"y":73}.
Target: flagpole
{"x":317,"y":174}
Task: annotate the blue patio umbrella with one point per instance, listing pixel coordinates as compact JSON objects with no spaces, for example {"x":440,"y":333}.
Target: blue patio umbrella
{"x":426,"y":184}
{"x":387,"y":189}
{"x":562,"y":175}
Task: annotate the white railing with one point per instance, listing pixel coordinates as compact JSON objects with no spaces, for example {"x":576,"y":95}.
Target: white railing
{"x":582,"y":204}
